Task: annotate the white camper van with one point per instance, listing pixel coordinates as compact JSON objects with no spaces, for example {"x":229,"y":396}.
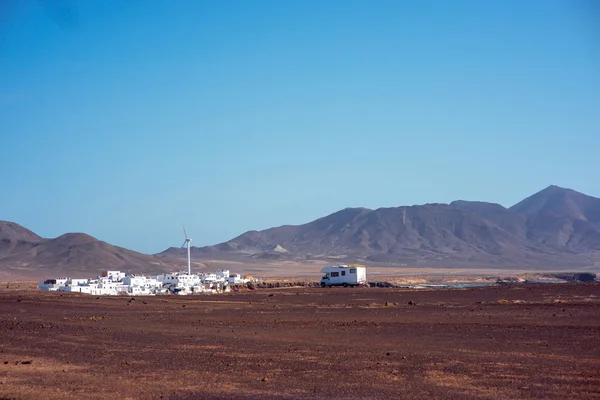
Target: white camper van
{"x":344,"y":275}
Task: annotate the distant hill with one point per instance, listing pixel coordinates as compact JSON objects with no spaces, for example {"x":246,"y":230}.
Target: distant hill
{"x":560,"y":202}
{"x":510,"y":221}
{"x":562,"y":218}
{"x":14,"y":238}
{"x":555,"y":227}
{"x":24,"y":253}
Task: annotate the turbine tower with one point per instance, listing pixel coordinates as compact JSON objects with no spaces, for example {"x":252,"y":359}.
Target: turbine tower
{"x":187,"y":242}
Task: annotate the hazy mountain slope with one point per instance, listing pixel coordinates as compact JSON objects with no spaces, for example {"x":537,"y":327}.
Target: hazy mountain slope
{"x":560,"y":202}
{"x":554,"y":227}
{"x":509,"y":220}
{"x":433,"y":227}
{"x":30,"y":254}
{"x":383,"y":235}
{"x":15,"y":238}
{"x":561,"y":217}
{"x":549,"y":228}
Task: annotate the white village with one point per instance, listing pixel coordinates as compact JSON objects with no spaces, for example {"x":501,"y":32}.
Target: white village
{"x":120,"y":283}
{"x":178,"y":283}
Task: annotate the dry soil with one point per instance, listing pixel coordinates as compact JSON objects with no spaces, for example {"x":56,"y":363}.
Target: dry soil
{"x":530,"y":341}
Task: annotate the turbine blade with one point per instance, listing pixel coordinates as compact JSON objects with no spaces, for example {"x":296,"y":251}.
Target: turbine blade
{"x":184,"y":232}
{"x":183,"y":245}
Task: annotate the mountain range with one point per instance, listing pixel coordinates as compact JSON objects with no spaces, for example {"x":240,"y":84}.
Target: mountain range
{"x":24,"y":253}
{"x":554,"y":228}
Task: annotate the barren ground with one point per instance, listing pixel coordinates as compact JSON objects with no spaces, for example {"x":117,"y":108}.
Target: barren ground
{"x":531,"y":341}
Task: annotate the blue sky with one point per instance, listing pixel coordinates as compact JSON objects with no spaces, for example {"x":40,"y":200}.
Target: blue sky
{"x":125,"y":119}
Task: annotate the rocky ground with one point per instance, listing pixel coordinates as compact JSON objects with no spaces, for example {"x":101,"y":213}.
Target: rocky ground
{"x":507,"y":342}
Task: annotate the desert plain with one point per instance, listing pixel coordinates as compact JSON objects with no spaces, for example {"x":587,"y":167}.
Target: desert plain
{"x":536,"y":341}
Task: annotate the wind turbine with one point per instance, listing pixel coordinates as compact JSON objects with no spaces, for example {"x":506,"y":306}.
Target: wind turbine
{"x":187,"y":241}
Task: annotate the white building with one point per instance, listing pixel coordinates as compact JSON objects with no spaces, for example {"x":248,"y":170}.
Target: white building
{"x":179,"y":279}
{"x":114,"y":276}
{"x":208,"y":277}
{"x":222,"y":274}
{"x":117,"y":282}
{"x":52,"y":284}
{"x":235,"y":279}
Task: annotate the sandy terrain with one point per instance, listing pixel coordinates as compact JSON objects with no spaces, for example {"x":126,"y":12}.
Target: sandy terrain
{"x":311,"y":270}
{"x":533,"y":341}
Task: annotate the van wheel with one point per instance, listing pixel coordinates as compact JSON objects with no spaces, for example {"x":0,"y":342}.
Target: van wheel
{"x":345,"y":284}
{"x":323,"y":284}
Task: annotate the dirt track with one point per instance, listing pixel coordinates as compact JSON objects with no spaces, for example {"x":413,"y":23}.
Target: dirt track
{"x":538,"y":341}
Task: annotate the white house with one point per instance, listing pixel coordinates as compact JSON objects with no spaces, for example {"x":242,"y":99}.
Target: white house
{"x":52,"y":284}
{"x":113,"y":275}
{"x":180,"y":280}
{"x":210,"y":277}
{"x":236,"y":279}
{"x":222,"y":274}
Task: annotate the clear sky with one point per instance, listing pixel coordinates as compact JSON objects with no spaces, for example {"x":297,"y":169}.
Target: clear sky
{"x":123,"y":119}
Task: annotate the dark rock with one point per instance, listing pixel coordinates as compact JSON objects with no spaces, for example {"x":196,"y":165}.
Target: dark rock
{"x":576,"y":276}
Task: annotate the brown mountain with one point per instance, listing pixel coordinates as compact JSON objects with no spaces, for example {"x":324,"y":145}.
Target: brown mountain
{"x":554,"y":228}
{"x":14,"y":238}
{"x":551,"y":228}
{"x":560,"y":218}
{"x":24,"y":253}
{"x":558,"y":201}
{"x":509,"y":220}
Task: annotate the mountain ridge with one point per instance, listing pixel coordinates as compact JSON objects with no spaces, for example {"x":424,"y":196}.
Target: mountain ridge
{"x":553,"y":226}
{"x":24,"y":253}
